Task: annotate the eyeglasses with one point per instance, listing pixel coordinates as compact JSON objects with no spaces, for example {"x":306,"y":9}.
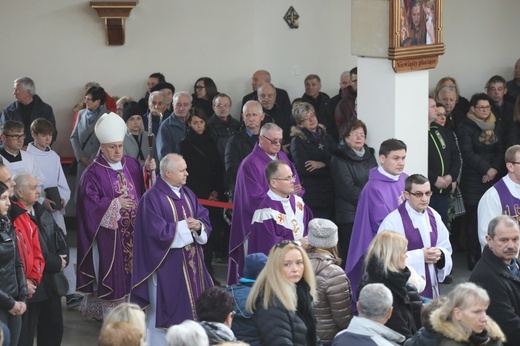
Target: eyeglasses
{"x":88,"y":99}
{"x":223,"y":105}
{"x":483,"y":108}
{"x":198,"y":87}
{"x":284,"y":243}
{"x":293,"y":178}
{"x":421,"y":194}
{"x":514,"y":162}
{"x":16,"y":137}
{"x":311,"y":116}
{"x":356,"y":134}
{"x":273,"y":141}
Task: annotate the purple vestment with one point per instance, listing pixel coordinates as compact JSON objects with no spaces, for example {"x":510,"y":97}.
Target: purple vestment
{"x":251,"y":186}
{"x":380,"y":196}
{"x":415,"y":242}
{"x":510,"y":204}
{"x":180,"y":272}
{"x":101,"y":220}
{"x":274,"y":225}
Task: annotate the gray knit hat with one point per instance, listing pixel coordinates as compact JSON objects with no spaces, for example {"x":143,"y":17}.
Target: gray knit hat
{"x":323,"y":233}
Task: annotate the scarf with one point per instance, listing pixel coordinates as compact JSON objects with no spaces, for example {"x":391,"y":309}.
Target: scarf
{"x":479,"y":339}
{"x":317,"y":135}
{"x":304,"y":310}
{"x":487,"y":136}
{"x":395,"y":281}
{"x":217,"y":332}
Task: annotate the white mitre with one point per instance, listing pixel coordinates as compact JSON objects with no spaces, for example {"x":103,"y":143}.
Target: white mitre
{"x":110,"y":128}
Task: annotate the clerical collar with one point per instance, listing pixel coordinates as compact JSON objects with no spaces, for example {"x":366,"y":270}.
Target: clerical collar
{"x":115,"y":166}
{"x":11,"y":157}
{"x":275,"y":197}
{"x":412,"y":210}
{"x":386,"y":174}
{"x":176,"y":190}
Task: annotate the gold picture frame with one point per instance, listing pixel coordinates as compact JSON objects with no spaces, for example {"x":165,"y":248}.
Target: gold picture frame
{"x":415,"y":41}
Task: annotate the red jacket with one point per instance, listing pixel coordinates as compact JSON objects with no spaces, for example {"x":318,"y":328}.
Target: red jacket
{"x":28,"y":242}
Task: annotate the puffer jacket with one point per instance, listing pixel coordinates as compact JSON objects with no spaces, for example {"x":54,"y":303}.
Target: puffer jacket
{"x":349,"y":174}
{"x":279,"y":327}
{"x":13,"y":286}
{"x":454,"y":335}
{"x":478,"y":157}
{"x":333,"y":309}
{"x":319,"y":190}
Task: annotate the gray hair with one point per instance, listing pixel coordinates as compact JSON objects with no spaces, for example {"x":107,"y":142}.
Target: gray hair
{"x":374,"y":302}
{"x":168,"y":162}
{"x":505,"y":220}
{"x":301,"y":109}
{"x":188,"y":333}
{"x":252,"y":103}
{"x":153,"y":93}
{"x":179,"y":93}
{"x":266,"y":84}
{"x":27,"y":84}
{"x":344,"y":74}
{"x":22,"y":180}
{"x":448,"y":89}
{"x":270,"y":127}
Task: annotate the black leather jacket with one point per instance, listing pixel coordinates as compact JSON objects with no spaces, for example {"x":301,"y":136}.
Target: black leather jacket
{"x":13,"y":286}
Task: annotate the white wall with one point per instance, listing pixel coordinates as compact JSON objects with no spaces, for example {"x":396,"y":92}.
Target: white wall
{"x":61,"y":45}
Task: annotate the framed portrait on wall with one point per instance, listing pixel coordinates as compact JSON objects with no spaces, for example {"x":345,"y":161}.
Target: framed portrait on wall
{"x":415,"y":34}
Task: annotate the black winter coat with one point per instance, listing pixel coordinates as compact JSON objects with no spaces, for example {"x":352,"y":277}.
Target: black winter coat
{"x":206,"y":171}
{"x":13,"y":286}
{"x":52,"y":242}
{"x":349,"y":174}
{"x":443,"y":156}
{"x":407,"y":304}
{"x":319,"y":190}
{"x":279,"y":327}
{"x":478,"y":157}
{"x":504,"y":293}
{"x":238,"y":147}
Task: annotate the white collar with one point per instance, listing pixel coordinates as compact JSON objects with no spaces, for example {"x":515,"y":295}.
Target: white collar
{"x":386,"y":174}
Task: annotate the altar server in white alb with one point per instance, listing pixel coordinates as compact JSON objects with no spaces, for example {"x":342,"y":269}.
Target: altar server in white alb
{"x":429,"y":249}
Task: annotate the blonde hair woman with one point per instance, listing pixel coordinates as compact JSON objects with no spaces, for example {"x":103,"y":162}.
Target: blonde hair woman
{"x":282,"y":296}
{"x":385,"y":263}
{"x":127,"y":312}
{"x":462,"y":319}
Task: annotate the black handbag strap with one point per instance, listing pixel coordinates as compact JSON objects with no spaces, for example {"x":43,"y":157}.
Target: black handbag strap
{"x":86,"y":141}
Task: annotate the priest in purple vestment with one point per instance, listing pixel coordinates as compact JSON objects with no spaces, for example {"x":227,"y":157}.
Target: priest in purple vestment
{"x":280,"y":215}
{"x":108,"y":194}
{"x":382,"y":194}
{"x":169,"y":271}
{"x":250,"y":188}
{"x":429,"y":249}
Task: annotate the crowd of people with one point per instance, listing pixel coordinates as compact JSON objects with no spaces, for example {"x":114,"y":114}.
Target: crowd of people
{"x":324,"y":246}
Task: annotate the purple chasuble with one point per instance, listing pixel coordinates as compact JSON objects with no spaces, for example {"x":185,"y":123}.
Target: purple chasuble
{"x":273,"y":229}
{"x":97,"y":217}
{"x":380,"y":196}
{"x":510,"y":204}
{"x":181,"y":275}
{"x":251,"y":186}
{"x":415,"y":242}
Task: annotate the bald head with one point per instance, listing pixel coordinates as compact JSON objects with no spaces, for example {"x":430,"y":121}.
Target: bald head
{"x":260,"y":77}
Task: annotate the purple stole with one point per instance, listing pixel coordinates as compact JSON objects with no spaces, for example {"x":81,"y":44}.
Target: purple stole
{"x":415,"y":242}
{"x":510,"y":204}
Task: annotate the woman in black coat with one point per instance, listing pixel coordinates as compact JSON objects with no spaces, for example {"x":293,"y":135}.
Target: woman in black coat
{"x":385,"y":263}
{"x":282,"y":296}
{"x":206,"y":174}
{"x":311,"y":152}
{"x":13,"y":286}
{"x":481,"y":143}
{"x":349,"y":169}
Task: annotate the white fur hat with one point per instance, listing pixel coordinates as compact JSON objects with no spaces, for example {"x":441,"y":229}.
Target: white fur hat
{"x":110,"y":128}
{"x":323,"y":233}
